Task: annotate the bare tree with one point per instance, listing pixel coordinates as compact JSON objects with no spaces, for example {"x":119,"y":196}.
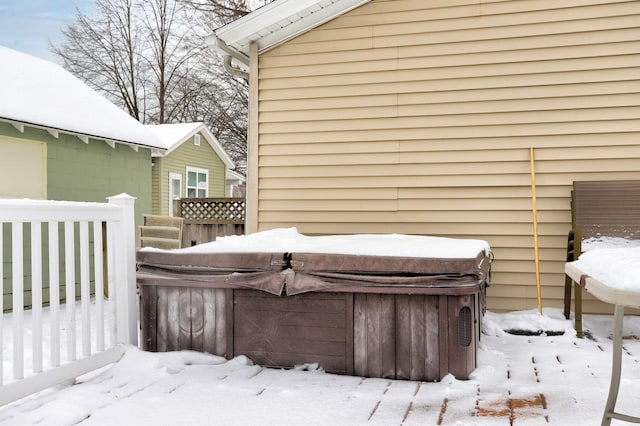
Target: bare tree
{"x":222,"y":12}
{"x":149,"y":57}
{"x":104,"y":52}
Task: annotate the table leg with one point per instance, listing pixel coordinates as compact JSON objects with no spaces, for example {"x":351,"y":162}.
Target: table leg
{"x":578,"y":310}
{"x":616,"y":366}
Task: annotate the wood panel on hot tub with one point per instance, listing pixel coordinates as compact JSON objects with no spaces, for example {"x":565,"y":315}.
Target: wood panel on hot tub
{"x":416,"y":337}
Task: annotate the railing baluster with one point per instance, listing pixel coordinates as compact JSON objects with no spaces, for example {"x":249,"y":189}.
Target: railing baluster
{"x":111,"y":241}
{"x":54,"y":292}
{"x":36,"y":294}
{"x":85,"y":288}
{"x":1,"y":304}
{"x":99,"y":284}
{"x":17,"y":259}
{"x":70,"y":284}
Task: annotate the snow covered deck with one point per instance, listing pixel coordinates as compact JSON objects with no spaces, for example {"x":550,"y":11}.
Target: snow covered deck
{"x":520,"y":380}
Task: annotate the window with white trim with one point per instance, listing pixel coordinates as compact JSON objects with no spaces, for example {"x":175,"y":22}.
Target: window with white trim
{"x":197,"y":182}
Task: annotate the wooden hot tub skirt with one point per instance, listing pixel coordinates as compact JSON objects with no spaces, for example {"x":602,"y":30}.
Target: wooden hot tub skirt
{"x":419,"y":322}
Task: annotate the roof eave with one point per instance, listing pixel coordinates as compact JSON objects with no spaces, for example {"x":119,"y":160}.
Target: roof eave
{"x":233,"y":39}
{"x":219,"y":45}
{"x":211,"y":140}
{"x":108,"y":141}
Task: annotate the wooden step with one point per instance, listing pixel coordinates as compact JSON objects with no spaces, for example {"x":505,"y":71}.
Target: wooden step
{"x":167,"y":232}
{"x":156,"y":220}
{"x":159,"y":243}
{"x":164,"y":232}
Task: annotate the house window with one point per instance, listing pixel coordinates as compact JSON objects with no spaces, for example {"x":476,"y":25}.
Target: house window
{"x":175,"y":189}
{"x":197,"y":182}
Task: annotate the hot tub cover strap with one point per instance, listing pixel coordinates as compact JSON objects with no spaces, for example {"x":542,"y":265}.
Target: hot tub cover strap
{"x":308,"y":282}
{"x":308,"y":272}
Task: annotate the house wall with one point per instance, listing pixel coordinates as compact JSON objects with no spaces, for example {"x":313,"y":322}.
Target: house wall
{"x":189,"y":155}
{"x":76,"y":171}
{"x":90,"y":172}
{"x":417,"y":116}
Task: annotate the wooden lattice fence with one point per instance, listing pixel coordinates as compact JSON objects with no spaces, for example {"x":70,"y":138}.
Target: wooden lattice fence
{"x":205,"y":219}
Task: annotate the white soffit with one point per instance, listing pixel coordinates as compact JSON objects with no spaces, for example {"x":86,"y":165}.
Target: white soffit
{"x":276,"y":23}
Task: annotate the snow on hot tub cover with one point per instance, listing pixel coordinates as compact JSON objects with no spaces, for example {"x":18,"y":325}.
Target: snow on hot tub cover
{"x":270,"y":260}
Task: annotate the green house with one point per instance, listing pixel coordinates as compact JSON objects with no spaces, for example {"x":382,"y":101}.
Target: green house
{"x":61,"y":140}
{"x":194,"y":165}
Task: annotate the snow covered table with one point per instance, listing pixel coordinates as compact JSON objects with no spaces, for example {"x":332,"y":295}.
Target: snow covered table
{"x":613,"y":276}
{"x":394,"y":306}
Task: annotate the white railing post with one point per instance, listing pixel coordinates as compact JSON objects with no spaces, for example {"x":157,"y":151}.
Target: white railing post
{"x":126,"y":270}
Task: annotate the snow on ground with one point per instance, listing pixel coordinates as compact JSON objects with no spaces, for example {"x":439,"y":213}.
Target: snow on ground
{"x":522,"y":380}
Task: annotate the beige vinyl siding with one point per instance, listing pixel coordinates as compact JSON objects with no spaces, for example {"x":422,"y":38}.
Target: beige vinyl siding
{"x":190,"y":155}
{"x":417,"y":116}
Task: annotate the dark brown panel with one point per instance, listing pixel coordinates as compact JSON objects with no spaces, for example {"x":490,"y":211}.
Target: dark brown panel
{"x":148,"y":320}
{"x":443,"y":336}
{"x":418,"y":327}
{"x":433,"y":333}
{"x":297,"y":326}
{"x":360,"y":334}
{"x":304,"y":303}
{"x":403,"y":337}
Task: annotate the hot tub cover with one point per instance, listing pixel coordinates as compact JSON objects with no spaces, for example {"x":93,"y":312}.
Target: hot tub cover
{"x":281,"y":259}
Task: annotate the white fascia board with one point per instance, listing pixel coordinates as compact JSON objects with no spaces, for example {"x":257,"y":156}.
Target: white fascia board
{"x":303,"y":25}
{"x":218,"y":45}
{"x":260,"y":18}
{"x":83,"y":137}
{"x":237,"y":35}
{"x":52,"y":131}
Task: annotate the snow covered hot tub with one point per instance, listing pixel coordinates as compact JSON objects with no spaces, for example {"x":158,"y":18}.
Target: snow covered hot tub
{"x":392,"y":306}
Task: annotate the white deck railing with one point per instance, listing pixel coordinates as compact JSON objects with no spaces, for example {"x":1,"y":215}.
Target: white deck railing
{"x":39,"y":351}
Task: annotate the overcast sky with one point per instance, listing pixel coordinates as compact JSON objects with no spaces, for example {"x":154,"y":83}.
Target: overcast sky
{"x":29,"y":25}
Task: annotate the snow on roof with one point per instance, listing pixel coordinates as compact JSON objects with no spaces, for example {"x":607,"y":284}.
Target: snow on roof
{"x":275,"y":23}
{"x":42,"y":94}
{"x":173,"y":135}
